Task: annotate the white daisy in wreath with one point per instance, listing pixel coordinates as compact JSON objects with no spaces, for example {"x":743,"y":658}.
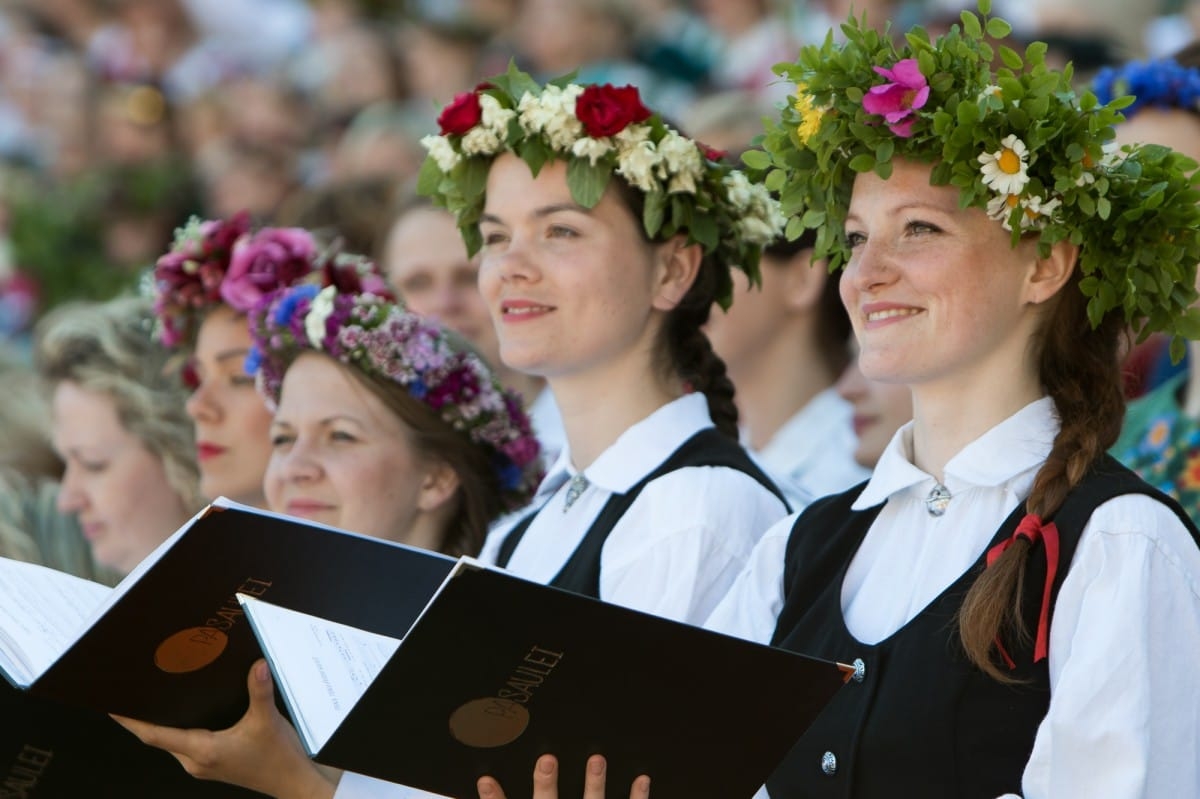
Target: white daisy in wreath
{"x":1006,"y":170}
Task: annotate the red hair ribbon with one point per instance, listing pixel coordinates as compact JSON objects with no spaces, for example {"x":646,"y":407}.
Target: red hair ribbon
{"x":1032,"y":530}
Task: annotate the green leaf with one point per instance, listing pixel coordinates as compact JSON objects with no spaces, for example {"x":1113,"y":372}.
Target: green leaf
{"x":428,"y":178}
{"x":863,"y":162}
{"x":998,"y":28}
{"x":652,"y":213}
{"x":704,"y":230}
{"x":756,"y":159}
{"x":927,"y":62}
{"x":775,"y":180}
{"x":474,"y":176}
{"x":971,"y":25}
{"x":587,"y":182}
{"x":1103,"y":208}
{"x":1010,"y":57}
{"x":985,"y":7}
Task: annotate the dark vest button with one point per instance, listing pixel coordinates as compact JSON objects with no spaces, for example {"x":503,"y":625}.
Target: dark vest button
{"x":860,"y":670}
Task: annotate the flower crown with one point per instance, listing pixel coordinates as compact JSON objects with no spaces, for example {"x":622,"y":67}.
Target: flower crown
{"x":219,"y":261}
{"x":1018,"y":143}
{"x":1164,"y":83}
{"x":598,"y":130}
{"x":370,"y":331}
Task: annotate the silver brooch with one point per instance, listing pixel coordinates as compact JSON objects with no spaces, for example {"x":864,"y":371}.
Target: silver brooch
{"x":575,"y":489}
{"x":938,"y":500}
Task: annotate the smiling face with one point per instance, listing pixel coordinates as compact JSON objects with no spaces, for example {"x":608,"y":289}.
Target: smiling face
{"x":231,"y":419}
{"x":936,"y":293}
{"x":427,"y":263}
{"x":116,"y":487}
{"x":341,"y":457}
{"x":571,"y":290}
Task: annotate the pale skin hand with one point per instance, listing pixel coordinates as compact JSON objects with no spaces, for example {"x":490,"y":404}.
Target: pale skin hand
{"x":261,"y":752}
{"x":545,"y":781}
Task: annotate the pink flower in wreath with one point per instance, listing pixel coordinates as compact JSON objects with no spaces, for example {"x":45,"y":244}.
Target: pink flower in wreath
{"x":270,"y":259}
{"x":898,"y":100}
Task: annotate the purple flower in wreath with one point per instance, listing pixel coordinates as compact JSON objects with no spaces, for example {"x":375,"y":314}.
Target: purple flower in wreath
{"x":262,"y":262}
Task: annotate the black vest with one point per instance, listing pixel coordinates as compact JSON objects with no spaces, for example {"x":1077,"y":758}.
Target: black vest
{"x":581,"y":573}
{"x":920,"y":720}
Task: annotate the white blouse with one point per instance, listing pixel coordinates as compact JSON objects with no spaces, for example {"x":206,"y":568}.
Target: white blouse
{"x":812,"y":454}
{"x":1124,"y":714}
{"x":674,"y":553}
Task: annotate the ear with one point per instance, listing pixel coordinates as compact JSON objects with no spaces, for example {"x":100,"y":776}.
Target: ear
{"x":438,"y":486}
{"x":678,"y":265}
{"x":1048,"y":275}
{"x":804,"y":280}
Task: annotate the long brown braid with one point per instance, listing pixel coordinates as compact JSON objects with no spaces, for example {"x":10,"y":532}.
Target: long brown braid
{"x":1079,"y":368}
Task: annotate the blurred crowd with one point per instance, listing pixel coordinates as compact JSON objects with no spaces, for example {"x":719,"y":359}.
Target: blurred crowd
{"x":120,"y":119}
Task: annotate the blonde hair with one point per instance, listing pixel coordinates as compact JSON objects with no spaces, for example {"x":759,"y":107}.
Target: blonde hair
{"x":109,"y":348}
{"x":25,"y":445}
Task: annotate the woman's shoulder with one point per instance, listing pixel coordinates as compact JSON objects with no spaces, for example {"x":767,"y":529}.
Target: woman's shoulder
{"x":717,"y":498}
{"x":1146,"y":524}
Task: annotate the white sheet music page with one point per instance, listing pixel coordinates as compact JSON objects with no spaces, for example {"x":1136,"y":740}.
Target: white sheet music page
{"x":42,"y":612}
{"x":322,"y":668}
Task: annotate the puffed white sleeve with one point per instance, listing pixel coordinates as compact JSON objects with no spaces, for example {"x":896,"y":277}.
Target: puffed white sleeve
{"x":1124,"y":714}
{"x":755,"y":599}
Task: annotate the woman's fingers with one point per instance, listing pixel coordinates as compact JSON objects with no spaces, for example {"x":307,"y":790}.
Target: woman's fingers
{"x":545,"y":781}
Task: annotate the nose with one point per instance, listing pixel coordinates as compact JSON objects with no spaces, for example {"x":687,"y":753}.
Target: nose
{"x":71,"y":498}
{"x":300,"y":463}
{"x":513,"y":264}
{"x":870,"y":267}
{"x":201,"y":405}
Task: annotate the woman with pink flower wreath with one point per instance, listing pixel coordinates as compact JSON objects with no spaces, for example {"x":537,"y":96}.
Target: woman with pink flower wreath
{"x":213,"y":275}
{"x":386,"y":425}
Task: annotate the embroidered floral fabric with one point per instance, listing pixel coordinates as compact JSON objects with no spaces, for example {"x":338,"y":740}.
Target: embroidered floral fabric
{"x":1163,"y":446}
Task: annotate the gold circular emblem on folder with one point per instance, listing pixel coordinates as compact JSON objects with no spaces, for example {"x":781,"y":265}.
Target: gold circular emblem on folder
{"x":190,"y":650}
{"x":489,"y":722}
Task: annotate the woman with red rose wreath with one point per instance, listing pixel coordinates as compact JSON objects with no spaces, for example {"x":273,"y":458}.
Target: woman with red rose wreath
{"x":601,"y":285}
{"x":606,"y":237}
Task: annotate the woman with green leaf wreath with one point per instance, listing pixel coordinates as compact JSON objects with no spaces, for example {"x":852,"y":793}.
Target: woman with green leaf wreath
{"x":1019,"y":608}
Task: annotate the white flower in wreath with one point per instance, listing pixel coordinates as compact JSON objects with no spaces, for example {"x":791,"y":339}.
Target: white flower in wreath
{"x":592,"y":149}
{"x":1006,"y":170}
{"x":681,"y":162}
{"x":739,"y":188}
{"x":1001,"y":206}
{"x":480,"y":140}
{"x":756,"y":230}
{"x":632,"y":136}
{"x":638,"y":164}
{"x":494,"y":116}
{"x":1038,"y":211}
{"x":320,"y":311}
{"x":442,"y":151}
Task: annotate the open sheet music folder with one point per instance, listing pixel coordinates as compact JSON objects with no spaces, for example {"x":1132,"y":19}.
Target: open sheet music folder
{"x":499,"y":670}
{"x":170,"y":643}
